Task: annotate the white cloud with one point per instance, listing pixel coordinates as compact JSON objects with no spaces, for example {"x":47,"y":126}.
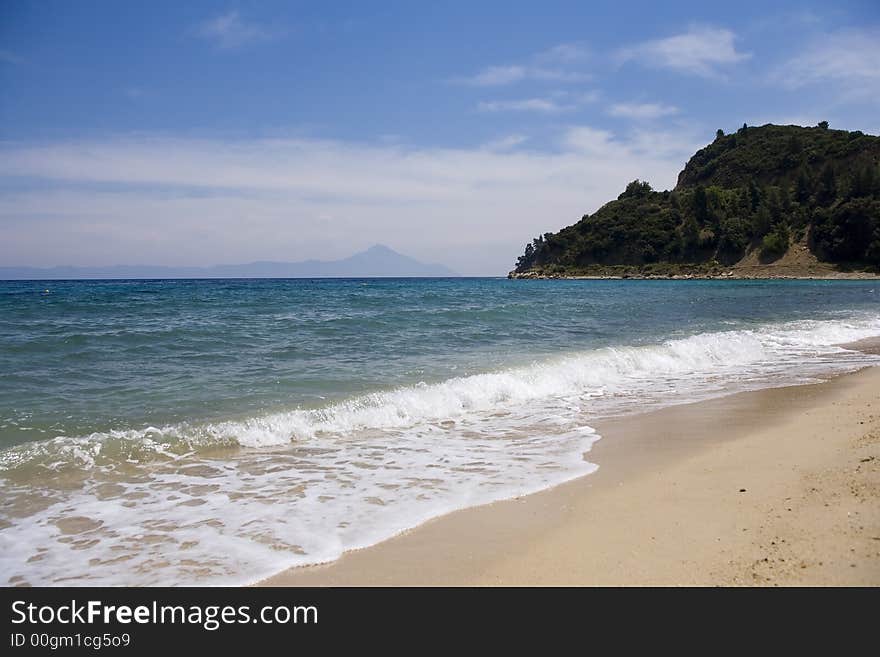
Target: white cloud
{"x":702,"y":50}
{"x":674,"y":144}
{"x":543,"y":105}
{"x":506,"y":143}
{"x":564,"y":52}
{"x":849,"y":60}
{"x":589,"y":141}
{"x":496,"y":76}
{"x":586,"y":97}
{"x":641,"y":111}
{"x":177,"y":201}
{"x":229,"y":31}
{"x":550,"y":65}
{"x":558,"y":102}
{"x":493,"y":76}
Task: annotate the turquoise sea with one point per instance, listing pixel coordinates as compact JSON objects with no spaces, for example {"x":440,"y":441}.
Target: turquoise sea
{"x":217,"y":431}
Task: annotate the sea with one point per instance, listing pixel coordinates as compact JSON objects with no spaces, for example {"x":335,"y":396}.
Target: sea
{"x":210,"y":432}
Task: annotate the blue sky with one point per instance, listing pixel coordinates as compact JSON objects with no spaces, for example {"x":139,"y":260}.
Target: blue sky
{"x":203,"y":133}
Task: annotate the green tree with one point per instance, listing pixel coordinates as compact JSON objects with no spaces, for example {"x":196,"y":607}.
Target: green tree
{"x":774,"y":205}
{"x":844,"y":232}
{"x":690,"y":236}
{"x":872,"y":254}
{"x":734,"y":238}
{"x":714,"y":205}
{"x":775,"y":244}
{"x":803,"y":186}
{"x":700,"y":205}
{"x":761,"y":221}
{"x":756,"y":195}
{"x":826,"y":191}
{"x":863,"y":182}
{"x":636,"y":189}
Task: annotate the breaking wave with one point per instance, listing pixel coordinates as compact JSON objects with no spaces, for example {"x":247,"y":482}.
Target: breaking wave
{"x":236,"y":500}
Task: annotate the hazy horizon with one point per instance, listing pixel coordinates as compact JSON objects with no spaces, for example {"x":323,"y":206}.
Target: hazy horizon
{"x":378,"y":261}
{"x":205,"y":134}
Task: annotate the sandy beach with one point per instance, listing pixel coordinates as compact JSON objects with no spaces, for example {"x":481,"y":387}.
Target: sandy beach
{"x":772,"y":487}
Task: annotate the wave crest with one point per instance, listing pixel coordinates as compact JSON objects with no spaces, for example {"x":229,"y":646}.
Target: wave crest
{"x":689,"y":367}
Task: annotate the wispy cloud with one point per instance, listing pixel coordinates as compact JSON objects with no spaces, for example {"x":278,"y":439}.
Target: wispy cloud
{"x":506,"y":143}
{"x":558,"y":102}
{"x":495,"y":76}
{"x":564,"y":53}
{"x":550,"y":65}
{"x":702,"y":50}
{"x":543,"y":105}
{"x":848,"y":60}
{"x":229,"y":31}
{"x":641,"y":111}
{"x":585,"y":97}
{"x":589,"y":141}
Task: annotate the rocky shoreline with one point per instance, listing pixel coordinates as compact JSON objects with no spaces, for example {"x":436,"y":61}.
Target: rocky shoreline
{"x":725,"y":275}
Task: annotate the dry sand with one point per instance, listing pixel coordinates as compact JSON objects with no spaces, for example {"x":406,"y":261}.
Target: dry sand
{"x":774,"y":487}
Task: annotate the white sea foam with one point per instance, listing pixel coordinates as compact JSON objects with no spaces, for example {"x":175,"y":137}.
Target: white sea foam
{"x":161,"y":506}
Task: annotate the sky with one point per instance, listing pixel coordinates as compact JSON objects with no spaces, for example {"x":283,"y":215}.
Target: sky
{"x":202,"y":133}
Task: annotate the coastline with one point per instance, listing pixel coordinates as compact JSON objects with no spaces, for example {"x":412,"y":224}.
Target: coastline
{"x":730,"y":274}
{"x":843,"y":276}
{"x":776,"y":486}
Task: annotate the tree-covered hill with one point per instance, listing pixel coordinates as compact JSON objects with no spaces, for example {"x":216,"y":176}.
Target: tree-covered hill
{"x":756,"y":192}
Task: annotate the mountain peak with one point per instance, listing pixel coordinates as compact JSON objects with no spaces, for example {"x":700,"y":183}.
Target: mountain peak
{"x":378,"y":249}
{"x":377,"y":261}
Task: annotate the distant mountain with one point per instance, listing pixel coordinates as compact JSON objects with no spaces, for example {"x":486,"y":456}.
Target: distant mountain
{"x":377,"y":261}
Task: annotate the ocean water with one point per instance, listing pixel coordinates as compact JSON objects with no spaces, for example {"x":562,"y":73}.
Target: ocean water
{"x":218,"y":431}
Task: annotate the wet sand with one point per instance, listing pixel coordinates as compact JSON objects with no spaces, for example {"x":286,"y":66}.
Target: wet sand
{"x":773,"y":487}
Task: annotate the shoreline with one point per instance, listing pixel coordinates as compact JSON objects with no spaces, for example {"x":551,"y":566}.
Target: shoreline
{"x":775,"y":486}
{"x":727,"y":276}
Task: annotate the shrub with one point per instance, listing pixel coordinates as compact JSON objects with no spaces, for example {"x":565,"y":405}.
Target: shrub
{"x":773,"y":246}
